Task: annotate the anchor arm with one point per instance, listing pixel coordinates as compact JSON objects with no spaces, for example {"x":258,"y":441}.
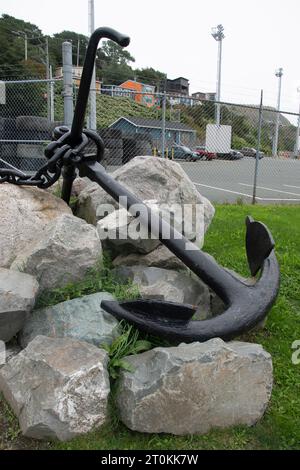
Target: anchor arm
{"x":248,"y":308}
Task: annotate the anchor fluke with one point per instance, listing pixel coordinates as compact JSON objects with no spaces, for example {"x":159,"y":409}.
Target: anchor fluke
{"x":259,"y":244}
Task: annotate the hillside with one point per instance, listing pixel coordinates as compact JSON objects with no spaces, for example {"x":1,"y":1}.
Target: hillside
{"x":110,"y":109}
{"x":251,"y":113}
{"x":244,"y":121}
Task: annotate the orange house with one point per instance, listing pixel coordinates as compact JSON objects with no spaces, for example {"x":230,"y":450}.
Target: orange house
{"x":146,"y":95}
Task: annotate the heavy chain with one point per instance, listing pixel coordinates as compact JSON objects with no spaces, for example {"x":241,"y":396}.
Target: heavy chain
{"x":59,"y":153}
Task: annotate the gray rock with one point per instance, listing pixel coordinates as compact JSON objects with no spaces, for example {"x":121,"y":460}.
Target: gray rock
{"x":120,"y":232}
{"x":170,"y":286}
{"x":79,"y":185}
{"x":115,"y":228}
{"x":27,"y":212}
{"x":161,"y":257}
{"x":124,"y":233}
{"x":57,"y":388}
{"x":18,"y":293}
{"x":193,"y":388}
{"x":81,"y":319}
{"x":63,"y":253}
{"x":12,"y":349}
{"x":149,"y":179}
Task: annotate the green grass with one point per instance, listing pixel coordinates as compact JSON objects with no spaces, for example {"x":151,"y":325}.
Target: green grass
{"x":280,"y":427}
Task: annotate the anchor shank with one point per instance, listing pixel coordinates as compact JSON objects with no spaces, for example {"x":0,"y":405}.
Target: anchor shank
{"x":87,"y":73}
{"x":199,"y":262}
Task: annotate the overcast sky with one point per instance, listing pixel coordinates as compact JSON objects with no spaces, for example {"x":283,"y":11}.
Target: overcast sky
{"x":174,"y":36}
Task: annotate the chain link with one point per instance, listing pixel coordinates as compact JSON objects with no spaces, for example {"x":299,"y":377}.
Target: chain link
{"x":59,"y":153}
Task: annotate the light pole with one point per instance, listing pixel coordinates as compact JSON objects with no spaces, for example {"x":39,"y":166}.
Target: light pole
{"x":20,"y":34}
{"x":93,"y":115}
{"x":278,"y":73}
{"x":218,"y":34}
{"x":296,"y":149}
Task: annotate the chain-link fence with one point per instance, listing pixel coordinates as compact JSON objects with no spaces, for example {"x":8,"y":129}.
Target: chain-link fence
{"x":252,"y":155}
{"x":29,"y":111}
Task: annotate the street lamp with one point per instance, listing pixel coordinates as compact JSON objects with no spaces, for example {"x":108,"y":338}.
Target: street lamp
{"x":20,"y":34}
{"x":218,"y":34}
{"x":278,"y":73}
{"x":296,"y":150}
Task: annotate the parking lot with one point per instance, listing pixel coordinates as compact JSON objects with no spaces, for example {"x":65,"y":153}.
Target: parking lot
{"x":221,"y":181}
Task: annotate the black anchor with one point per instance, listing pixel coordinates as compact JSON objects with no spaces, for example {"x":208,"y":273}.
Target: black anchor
{"x":246,"y":305}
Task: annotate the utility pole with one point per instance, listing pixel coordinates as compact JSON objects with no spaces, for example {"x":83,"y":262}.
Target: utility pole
{"x":218,"y":34}
{"x":93,"y":115}
{"x":26,"y":46}
{"x":296,"y":149}
{"x":278,"y":74}
{"x":260,"y":117}
{"x":78,"y":49}
{"x":22,"y":33}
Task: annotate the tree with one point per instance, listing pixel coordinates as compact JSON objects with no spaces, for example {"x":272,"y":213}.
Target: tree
{"x":150,"y":76}
{"x":113,"y":67}
{"x":115,"y":54}
{"x":116,"y":74}
{"x":79,"y":45}
{"x":12,"y":45}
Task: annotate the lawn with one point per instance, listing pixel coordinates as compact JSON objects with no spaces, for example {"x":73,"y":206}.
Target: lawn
{"x":280,"y":427}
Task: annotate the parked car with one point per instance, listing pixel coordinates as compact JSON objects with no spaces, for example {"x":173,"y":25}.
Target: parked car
{"x":202,"y":152}
{"x":232,"y":155}
{"x":251,"y":152}
{"x":181,"y":152}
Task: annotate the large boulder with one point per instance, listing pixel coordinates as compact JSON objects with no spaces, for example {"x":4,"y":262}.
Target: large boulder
{"x":170,"y":286}
{"x":124,"y":233}
{"x":58,"y":388}
{"x":62,"y":252}
{"x":117,"y":236}
{"x":18,"y":293}
{"x":25,"y":213}
{"x":193,"y":388}
{"x":149,"y":179}
{"x":81,"y":319}
{"x":161,"y":257}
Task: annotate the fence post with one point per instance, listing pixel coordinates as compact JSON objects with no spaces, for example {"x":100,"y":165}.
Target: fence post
{"x":258,"y":147}
{"x":163,"y":126}
{"x":68,"y":83}
{"x":51,"y":96}
{"x":296,"y":149}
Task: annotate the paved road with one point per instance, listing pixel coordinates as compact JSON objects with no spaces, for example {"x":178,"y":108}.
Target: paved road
{"x":228,"y":181}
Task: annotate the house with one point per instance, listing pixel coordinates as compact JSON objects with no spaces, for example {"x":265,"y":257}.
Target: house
{"x":76,"y":75}
{"x":178,"y":86}
{"x":176,"y":132}
{"x":142,"y":93}
{"x":205,"y":96}
{"x":116,"y":90}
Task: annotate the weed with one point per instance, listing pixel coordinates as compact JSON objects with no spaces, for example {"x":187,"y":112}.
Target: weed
{"x":100,"y":278}
{"x":126,"y":344}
